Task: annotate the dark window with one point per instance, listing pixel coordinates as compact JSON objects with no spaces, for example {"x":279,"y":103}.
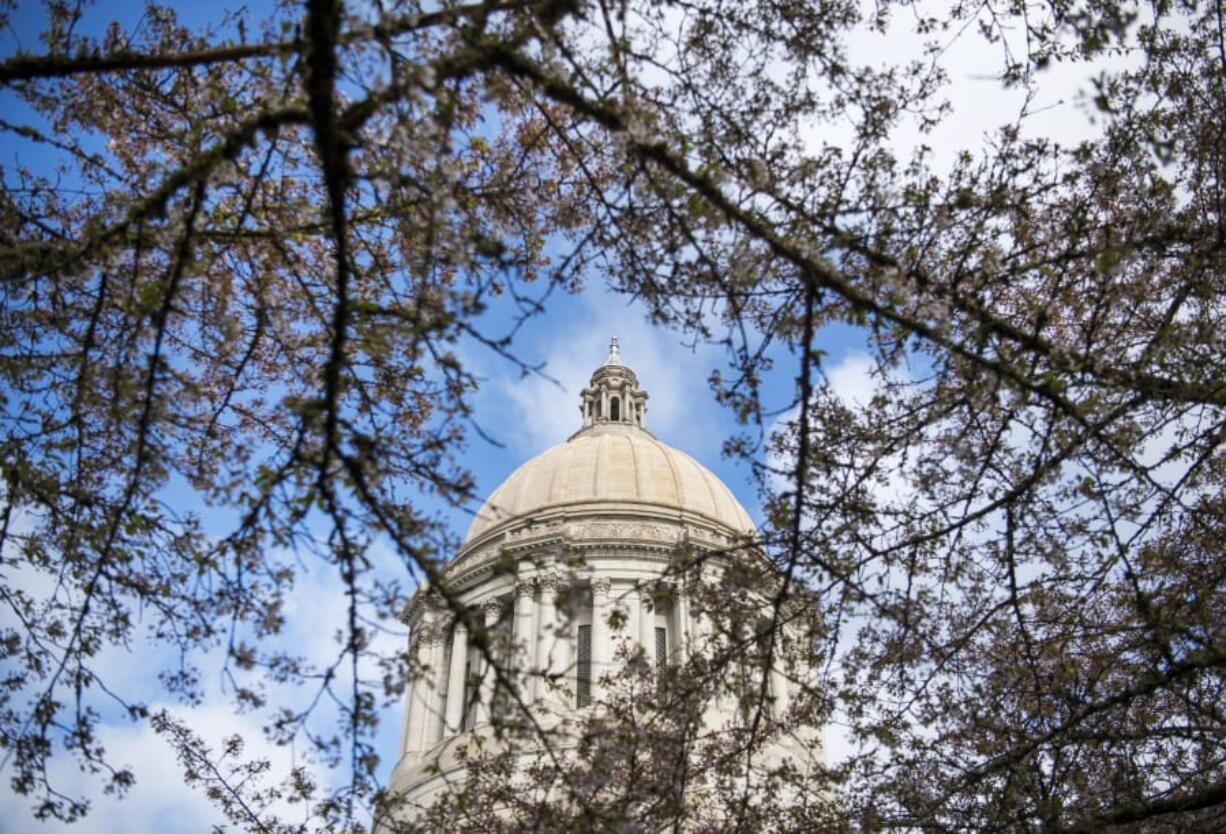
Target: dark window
{"x":615,"y":409}
{"x":661,"y":655}
{"x":583,"y":682}
{"x":472,"y":673}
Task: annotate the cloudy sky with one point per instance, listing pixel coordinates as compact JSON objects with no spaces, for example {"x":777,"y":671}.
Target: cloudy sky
{"x":527,"y":415}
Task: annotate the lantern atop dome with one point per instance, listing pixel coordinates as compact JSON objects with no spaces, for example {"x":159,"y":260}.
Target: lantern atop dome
{"x":613,"y":395}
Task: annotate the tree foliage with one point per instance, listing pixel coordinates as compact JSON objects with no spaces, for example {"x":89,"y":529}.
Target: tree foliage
{"x":245,"y":275}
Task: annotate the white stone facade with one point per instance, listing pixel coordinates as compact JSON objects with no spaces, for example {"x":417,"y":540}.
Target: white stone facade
{"x":592,"y":525}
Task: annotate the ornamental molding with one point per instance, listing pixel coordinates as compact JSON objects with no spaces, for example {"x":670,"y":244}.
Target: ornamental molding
{"x":424,"y":605}
{"x":473,"y":574}
{"x":628,"y":532}
{"x":425,"y":639}
{"x":554,"y":583}
{"x":613,"y":534}
{"x":535,"y":530}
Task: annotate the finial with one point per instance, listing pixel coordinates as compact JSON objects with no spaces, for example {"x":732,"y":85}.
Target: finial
{"x":615,"y":357}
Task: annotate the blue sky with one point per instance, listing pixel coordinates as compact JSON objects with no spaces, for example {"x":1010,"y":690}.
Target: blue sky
{"x":526,"y":414}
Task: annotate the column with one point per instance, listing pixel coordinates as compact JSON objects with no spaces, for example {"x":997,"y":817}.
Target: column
{"x":544,"y":639}
{"x":492,"y":611}
{"x":424,"y":685}
{"x":681,"y":651}
{"x":437,"y":703}
{"x":455,"y":678}
{"x":631,"y":637}
{"x":554,"y":650}
{"x":702,"y":629}
{"x":647,"y":622}
{"x":412,"y":708}
{"x":602,"y":637}
{"x":525,"y":640}
{"x":778,"y":682}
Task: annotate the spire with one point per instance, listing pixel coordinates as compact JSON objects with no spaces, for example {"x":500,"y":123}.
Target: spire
{"x":615,"y":356}
{"x":613,"y":396}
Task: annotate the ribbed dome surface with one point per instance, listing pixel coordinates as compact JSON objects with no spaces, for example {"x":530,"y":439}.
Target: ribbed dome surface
{"x":613,"y":463}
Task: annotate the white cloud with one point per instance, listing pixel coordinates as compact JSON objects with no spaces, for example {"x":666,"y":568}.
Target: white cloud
{"x":852,"y":380}
{"x":160,"y":802}
{"x":980,"y":105}
{"x":680,"y":408}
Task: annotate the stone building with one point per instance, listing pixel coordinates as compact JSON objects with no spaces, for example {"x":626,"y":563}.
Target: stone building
{"x":588,"y":527}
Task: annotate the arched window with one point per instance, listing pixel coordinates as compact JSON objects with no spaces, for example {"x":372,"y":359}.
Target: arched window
{"x":615,"y":409}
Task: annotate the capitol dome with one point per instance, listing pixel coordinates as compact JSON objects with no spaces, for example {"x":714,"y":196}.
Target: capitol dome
{"x":601,"y":548}
{"x":612,"y":464}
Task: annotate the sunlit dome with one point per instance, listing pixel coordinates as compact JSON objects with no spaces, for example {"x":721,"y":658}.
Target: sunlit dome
{"x":612,"y":521}
{"x":612,"y":465}
{"x":615,"y":463}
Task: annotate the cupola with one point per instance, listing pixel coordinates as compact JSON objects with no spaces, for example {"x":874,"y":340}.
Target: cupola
{"x":613,"y":394}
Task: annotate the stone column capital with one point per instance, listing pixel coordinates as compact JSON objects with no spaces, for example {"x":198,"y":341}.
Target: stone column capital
{"x":553,"y":583}
{"x":492,"y":609}
{"x":525,"y":588}
{"x":601,"y":586}
{"x":427,"y":638}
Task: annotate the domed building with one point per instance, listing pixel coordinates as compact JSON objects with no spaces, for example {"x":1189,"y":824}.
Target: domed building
{"x":591,"y":527}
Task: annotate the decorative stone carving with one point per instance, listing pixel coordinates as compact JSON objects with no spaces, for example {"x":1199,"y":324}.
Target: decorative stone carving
{"x":626,"y":532}
{"x":430,"y":631}
{"x":553,"y":583}
{"x":492,"y":609}
{"x":443,"y":625}
{"x":601,"y":586}
{"x":525,"y":588}
{"x":534,"y":530}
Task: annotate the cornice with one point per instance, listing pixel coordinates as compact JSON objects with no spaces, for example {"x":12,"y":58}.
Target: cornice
{"x":607,"y":529}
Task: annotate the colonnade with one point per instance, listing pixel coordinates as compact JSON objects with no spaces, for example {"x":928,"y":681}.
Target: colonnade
{"x":532,"y":629}
{"x":545,"y":611}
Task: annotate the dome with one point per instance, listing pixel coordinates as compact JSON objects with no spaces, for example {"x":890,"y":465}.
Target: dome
{"x":612,"y":464}
{"x":612,"y":460}
{"x":612,"y":520}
